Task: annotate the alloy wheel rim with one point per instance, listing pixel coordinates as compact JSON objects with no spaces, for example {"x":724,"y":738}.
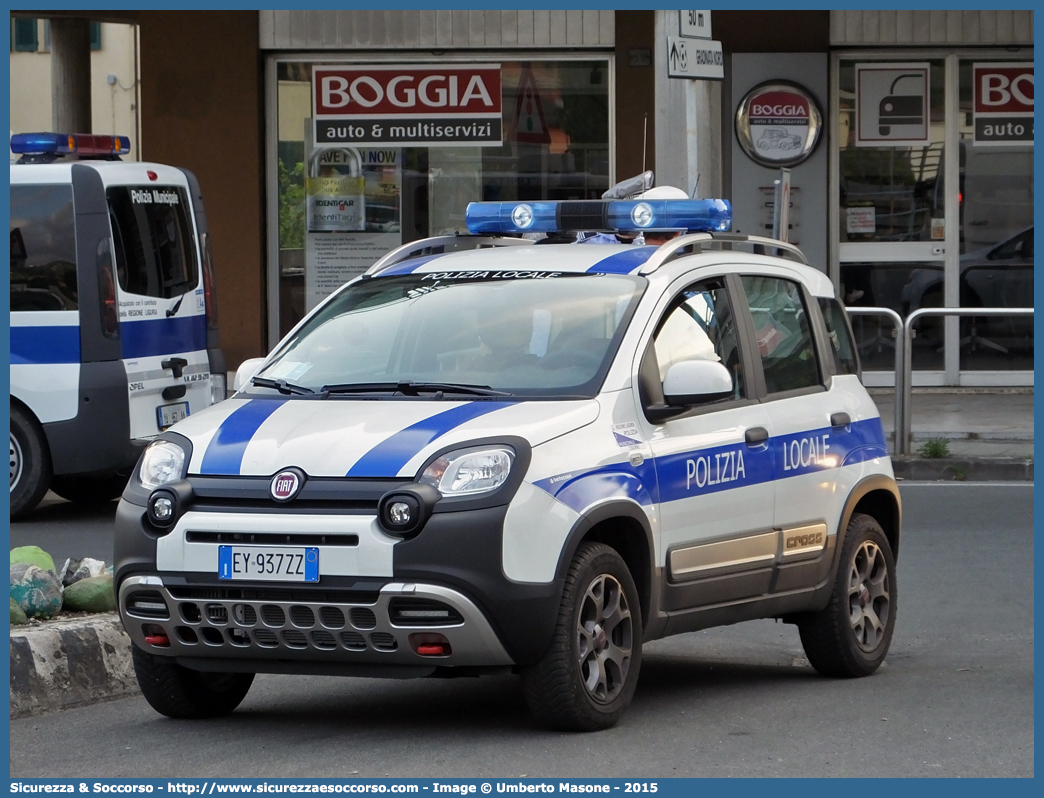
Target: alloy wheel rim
{"x":604,"y":637}
{"x":869,"y":596}
{"x":16,"y":462}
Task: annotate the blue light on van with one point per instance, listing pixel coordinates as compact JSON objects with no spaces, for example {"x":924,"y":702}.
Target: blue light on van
{"x":710,"y":215}
{"x":68,"y":143}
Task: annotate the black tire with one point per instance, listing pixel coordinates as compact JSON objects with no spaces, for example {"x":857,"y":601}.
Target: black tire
{"x":30,"y":462}
{"x":89,"y":490}
{"x":851,"y":635}
{"x":586,"y":678}
{"x":178,"y":692}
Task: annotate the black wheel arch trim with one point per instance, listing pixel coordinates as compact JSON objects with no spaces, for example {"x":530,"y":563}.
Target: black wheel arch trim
{"x":611,"y":510}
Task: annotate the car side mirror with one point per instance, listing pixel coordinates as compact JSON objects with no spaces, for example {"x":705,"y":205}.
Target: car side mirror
{"x":246,"y":370}
{"x":693,"y":382}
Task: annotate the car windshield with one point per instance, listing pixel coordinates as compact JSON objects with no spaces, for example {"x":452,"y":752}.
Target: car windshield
{"x":525,"y":334}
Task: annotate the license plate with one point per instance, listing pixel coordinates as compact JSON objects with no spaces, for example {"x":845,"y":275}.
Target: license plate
{"x":269,"y":563}
{"x":169,"y":415}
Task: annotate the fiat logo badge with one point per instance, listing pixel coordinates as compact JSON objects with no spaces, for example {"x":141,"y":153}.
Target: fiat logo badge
{"x":286,"y":485}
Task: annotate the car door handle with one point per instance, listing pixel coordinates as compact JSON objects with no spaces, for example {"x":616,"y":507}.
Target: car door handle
{"x":756,"y":435}
{"x":840,"y":420}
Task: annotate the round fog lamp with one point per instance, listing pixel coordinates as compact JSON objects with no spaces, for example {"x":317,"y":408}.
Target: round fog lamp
{"x":162,"y":509}
{"x":642,"y":214}
{"x":522,"y":216}
{"x":399,"y":513}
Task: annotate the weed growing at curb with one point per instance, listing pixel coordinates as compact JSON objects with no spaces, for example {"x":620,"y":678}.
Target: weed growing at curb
{"x":934,"y":448}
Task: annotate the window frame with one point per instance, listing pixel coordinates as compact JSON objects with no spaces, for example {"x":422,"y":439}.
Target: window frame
{"x":817,"y":330}
{"x":20,"y":43}
{"x":650,"y":389}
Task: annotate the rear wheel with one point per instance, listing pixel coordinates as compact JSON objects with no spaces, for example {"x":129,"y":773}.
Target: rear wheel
{"x":89,"y":490}
{"x":30,"y":462}
{"x":851,"y":636}
{"x":178,"y":692}
{"x":586,"y":679}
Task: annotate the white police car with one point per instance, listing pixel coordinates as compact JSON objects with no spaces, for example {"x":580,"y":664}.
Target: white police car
{"x":488,"y":455}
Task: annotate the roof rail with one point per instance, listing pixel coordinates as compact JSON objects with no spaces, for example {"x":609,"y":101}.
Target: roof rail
{"x":437,"y":245}
{"x":696,"y":243}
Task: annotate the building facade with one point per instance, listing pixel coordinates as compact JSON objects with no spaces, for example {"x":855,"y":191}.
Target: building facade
{"x":908,"y":135}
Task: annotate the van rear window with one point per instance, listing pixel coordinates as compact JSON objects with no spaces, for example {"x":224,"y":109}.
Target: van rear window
{"x":155,"y":246}
{"x":43,"y":248}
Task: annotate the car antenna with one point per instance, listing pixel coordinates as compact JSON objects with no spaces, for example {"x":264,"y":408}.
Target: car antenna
{"x":645,"y":138}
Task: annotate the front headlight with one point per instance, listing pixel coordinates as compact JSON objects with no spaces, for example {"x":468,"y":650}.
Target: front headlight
{"x":469,"y":471}
{"x":163,"y":462}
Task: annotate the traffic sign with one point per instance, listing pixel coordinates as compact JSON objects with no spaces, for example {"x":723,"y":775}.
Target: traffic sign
{"x":695,"y":24}
{"x":698,"y":59}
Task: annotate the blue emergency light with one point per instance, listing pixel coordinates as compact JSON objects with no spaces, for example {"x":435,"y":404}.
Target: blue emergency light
{"x":68,"y":144}
{"x":710,"y":215}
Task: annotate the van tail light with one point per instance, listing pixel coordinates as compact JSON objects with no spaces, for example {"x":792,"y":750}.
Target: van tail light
{"x":110,"y":310}
{"x":208,"y":283}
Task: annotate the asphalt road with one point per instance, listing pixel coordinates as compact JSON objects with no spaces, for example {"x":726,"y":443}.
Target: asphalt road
{"x":954,"y":698}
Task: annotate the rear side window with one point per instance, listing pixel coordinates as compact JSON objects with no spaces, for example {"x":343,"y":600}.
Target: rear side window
{"x":846,"y":361}
{"x":155,"y":246}
{"x":43,"y":248}
{"x":783,"y":332}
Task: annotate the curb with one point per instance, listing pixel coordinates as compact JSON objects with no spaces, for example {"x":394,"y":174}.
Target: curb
{"x":70,"y":663}
{"x":963,"y":469}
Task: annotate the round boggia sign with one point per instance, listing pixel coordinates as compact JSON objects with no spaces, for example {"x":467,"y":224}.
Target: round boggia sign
{"x":778,"y":123}
{"x":286,"y":485}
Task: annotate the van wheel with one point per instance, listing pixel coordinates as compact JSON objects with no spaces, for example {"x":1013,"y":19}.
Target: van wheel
{"x":851,"y":636}
{"x":178,"y":692}
{"x":586,"y":678}
{"x":30,"y":463}
{"x":89,"y":490}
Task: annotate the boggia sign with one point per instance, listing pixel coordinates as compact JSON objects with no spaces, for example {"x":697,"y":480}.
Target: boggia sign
{"x":414,"y":106}
{"x":778,"y":123}
{"x":1003,"y":104}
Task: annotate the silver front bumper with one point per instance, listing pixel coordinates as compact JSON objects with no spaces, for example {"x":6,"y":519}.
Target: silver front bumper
{"x":307,"y":631}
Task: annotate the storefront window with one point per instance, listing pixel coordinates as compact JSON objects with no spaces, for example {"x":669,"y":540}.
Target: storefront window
{"x":555,"y":145}
{"x":996,"y":211}
{"x":892,"y":192}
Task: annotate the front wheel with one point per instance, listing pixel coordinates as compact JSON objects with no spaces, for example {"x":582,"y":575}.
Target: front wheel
{"x":177,"y":692}
{"x":30,"y":462}
{"x":586,"y":678}
{"x":851,"y":636}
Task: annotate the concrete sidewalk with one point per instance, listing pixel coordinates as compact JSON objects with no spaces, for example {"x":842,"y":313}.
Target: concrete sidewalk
{"x":989,"y":432}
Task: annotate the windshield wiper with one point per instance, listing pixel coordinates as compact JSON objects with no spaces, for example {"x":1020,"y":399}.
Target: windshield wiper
{"x":410,"y":388}
{"x":280,"y":385}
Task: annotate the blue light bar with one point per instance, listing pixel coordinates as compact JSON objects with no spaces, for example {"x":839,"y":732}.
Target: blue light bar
{"x":68,"y":143}
{"x":486,"y":218}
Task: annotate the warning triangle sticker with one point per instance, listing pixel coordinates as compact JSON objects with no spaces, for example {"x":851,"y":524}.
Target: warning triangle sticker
{"x":529,"y":125}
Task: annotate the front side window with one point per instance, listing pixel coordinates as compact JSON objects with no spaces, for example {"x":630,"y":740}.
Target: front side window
{"x":700,"y":325}
{"x":489,"y":333}
{"x":846,"y":361}
{"x":43,"y":248}
{"x":782,"y":332}
{"x":155,"y":245}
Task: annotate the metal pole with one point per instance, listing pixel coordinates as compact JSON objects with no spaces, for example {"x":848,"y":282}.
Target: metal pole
{"x":897,"y":332}
{"x":903,"y":445}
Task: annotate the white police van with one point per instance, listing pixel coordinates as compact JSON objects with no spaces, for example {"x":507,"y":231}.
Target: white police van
{"x":488,"y":455}
{"x":114,"y":335}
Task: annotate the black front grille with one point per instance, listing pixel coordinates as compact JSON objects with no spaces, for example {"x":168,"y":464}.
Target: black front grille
{"x":265,"y":638}
{"x":323,"y":640}
{"x":295,"y":639}
{"x":353,"y":641}
{"x":302,"y":616}
{"x":244,"y":614}
{"x":362,"y":618}
{"x":288,"y":595}
{"x":331,"y":617}
{"x":271,"y":538}
{"x":422,"y":612}
{"x":382,"y":641}
{"x":217,"y":613}
{"x":272,"y":615}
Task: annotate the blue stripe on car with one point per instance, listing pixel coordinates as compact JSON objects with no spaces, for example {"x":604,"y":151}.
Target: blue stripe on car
{"x":388,"y":457}
{"x":703,"y":471}
{"x":224,"y":454}
{"x":152,"y":337}
{"x":37,"y":345}
{"x":411,"y":265}
{"x":623,"y":262}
